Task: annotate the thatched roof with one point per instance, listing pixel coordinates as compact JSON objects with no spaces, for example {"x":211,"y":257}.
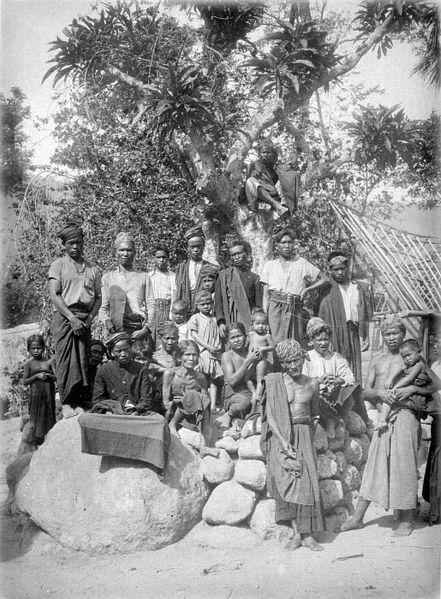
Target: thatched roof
{"x":407,"y":265}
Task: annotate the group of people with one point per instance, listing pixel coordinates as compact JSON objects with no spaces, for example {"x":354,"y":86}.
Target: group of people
{"x":178,"y":342}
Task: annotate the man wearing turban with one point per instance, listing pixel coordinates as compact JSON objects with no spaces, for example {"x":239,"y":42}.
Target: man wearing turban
{"x":347,"y":307}
{"x":75,"y":291}
{"x":188,"y":273}
{"x":128,"y":302}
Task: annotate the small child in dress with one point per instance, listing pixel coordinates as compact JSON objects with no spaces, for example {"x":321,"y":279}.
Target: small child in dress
{"x":202,"y":328}
{"x":179,"y":315}
{"x":415,"y":372}
{"x":261,"y":342}
{"x":38,"y":373}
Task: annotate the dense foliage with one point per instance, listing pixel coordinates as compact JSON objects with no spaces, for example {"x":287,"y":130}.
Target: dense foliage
{"x":159,"y":120}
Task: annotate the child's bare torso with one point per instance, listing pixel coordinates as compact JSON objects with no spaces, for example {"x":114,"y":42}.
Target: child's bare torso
{"x":258,"y":341}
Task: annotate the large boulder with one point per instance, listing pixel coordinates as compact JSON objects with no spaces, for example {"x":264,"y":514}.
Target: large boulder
{"x":229,"y":444}
{"x":229,"y":503}
{"x":327,"y":466}
{"x":217,"y":470}
{"x":351,"y":479}
{"x":100,"y":504}
{"x":263,"y":522}
{"x":249,"y":448}
{"x":332,"y":493}
{"x":355,"y":424}
{"x":354,"y":451}
{"x":251,"y":474}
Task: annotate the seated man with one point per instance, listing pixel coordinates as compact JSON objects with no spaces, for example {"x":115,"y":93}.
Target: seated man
{"x":262,"y":177}
{"x":117,"y":386}
{"x":291,"y":413}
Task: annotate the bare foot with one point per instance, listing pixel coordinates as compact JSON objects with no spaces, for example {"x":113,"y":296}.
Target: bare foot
{"x":294,"y":543}
{"x":403,"y":529}
{"x":351,"y":524}
{"x":312,"y":544}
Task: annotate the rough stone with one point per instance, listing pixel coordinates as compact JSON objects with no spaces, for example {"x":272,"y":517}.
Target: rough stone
{"x":230,"y":503}
{"x":365,"y":443}
{"x":350,"y":479}
{"x":351,"y":499}
{"x":355,"y":424}
{"x":335,"y":519}
{"x":229,"y":444}
{"x":326,"y":467}
{"x":263,"y":522}
{"x":251,"y":427}
{"x":192,"y":438}
{"x":217,"y":470}
{"x":249,"y":449}
{"x":223,"y":537}
{"x":332,"y":493}
{"x":341,"y":461}
{"x":320,"y":439}
{"x":99,"y":504}
{"x":251,"y":474}
{"x":354,"y":451}
{"x":339,"y":440}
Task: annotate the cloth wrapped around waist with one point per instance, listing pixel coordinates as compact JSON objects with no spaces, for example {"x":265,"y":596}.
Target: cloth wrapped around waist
{"x":285,"y":298}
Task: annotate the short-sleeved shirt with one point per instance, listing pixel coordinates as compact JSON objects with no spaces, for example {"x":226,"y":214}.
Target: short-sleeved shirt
{"x":288,"y":276}
{"x":80,"y":282}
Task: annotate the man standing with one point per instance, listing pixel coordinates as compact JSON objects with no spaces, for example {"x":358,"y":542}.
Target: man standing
{"x":188,"y":273}
{"x":75,"y":291}
{"x":287,"y":280}
{"x":390,"y":476}
{"x":128,"y":301}
{"x":238,"y":290}
{"x":347,"y":307}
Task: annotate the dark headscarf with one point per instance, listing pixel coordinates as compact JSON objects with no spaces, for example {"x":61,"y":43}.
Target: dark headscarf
{"x":209,"y":270}
{"x":166,"y":328}
{"x":194,"y":232}
{"x":70,"y":231}
{"x":116,"y":337}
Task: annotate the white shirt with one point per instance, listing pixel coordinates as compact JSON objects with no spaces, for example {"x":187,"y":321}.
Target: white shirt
{"x":332,"y":363}
{"x":288,"y":276}
{"x":164,"y":286}
{"x":194,"y":268}
{"x":350,"y":297}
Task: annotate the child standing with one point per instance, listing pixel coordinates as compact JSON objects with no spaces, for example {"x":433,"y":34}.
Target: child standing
{"x":39,"y":374}
{"x":164,"y":289}
{"x":179,"y":315}
{"x":261,"y":342}
{"x":202,"y":328}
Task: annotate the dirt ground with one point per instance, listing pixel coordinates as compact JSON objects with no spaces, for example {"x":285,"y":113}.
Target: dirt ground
{"x":220,"y":562}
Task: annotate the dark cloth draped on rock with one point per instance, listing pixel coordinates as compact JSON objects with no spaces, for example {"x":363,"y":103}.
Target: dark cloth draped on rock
{"x":346,"y":335}
{"x":144,"y":438}
{"x":432,"y":477}
{"x":183,"y":290}
{"x":42,"y":408}
{"x":237,"y":293}
{"x":296,"y":498}
{"x":72,"y":359}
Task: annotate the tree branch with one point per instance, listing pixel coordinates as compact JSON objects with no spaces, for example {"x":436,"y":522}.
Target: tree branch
{"x":128,"y":79}
{"x":351,"y":60}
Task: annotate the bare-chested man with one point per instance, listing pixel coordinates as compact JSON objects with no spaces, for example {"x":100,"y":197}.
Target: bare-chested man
{"x":292,"y":413}
{"x":390,"y":477}
{"x":237,"y":368}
